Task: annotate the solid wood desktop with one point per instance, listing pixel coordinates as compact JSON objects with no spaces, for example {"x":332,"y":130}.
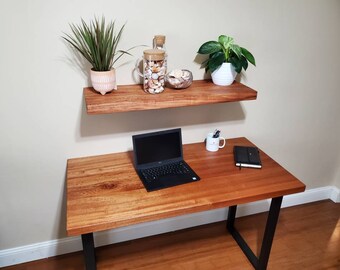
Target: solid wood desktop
{"x":104,"y":192}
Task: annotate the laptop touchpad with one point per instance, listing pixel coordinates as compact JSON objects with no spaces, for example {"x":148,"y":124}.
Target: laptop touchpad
{"x":171,"y":180}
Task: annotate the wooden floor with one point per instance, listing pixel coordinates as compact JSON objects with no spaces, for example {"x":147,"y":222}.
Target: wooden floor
{"x":307,"y":237}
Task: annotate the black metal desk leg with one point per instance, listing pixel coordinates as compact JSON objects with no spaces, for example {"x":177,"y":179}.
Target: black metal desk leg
{"x":231,"y":217}
{"x":273,"y":217}
{"x":89,"y":251}
{"x":238,"y":237}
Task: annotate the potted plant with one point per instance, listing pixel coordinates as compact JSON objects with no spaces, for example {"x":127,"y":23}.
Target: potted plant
{"x":97,"y":43}
{"x":226,"y":59}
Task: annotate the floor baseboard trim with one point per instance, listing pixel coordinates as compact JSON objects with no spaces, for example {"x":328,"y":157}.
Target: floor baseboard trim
{"x":71,"y":244}
{"x":335,"y":195}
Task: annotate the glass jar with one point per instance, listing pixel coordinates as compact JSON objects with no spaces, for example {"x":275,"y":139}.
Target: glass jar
{"x":154,"y":71}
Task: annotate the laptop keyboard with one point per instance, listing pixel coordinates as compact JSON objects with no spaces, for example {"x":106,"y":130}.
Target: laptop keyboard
{"x":178,"y":168}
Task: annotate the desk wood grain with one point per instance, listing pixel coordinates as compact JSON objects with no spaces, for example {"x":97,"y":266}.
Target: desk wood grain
{"x":104,"y":192}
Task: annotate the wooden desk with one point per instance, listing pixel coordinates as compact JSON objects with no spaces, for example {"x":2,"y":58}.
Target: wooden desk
{"x":104,"y":192}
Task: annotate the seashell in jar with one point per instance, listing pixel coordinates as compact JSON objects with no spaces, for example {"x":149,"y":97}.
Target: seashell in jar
{"x":159,"y":89}
{"x":154,"y":76}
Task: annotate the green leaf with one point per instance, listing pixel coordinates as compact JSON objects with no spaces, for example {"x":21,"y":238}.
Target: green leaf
{"x":97,"y":42}
{"x":215,"y":61}
{"x":225,"y":41}
{"x":248,"y":55}
{"x":210,"y":47}
{"x":236,"y":49}
{"x":236,"y":62}
{"x":244,"y":62}
{"x":205,"y":63}
{"x":225,"y":50}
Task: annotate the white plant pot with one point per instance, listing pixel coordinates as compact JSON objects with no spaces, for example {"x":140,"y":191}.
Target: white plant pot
{"x":103,"y":81}
{"x":224,"y":75}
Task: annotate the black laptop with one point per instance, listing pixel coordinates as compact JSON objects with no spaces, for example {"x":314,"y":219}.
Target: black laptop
{"x":158,"y":159}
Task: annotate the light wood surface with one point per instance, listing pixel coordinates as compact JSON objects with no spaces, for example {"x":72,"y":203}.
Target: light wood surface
{"x":133,"y":98}
{"x":104,"y":192}
{"x":307,"y":237}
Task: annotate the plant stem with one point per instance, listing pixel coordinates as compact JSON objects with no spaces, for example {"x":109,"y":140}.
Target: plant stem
{"x":226,"y":53}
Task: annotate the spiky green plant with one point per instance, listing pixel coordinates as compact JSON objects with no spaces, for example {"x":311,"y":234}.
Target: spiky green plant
{"x":225,"y":51}
{"x":97,"y":42}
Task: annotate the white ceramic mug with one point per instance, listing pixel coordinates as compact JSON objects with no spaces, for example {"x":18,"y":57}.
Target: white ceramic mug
{"x":213,"y":144}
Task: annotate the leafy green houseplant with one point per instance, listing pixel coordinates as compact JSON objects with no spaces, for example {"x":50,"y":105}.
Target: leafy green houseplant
{"x":222,"y":52}
{"x":97,"y":42}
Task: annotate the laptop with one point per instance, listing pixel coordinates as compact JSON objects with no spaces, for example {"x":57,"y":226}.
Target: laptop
{"x":158,"y":160}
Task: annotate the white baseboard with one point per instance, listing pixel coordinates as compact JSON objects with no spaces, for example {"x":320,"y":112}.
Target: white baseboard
{"x":335,"y":195}
{"x":71,"y":244}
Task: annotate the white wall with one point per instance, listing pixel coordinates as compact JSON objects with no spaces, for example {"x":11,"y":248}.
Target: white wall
{"x":42,"y":116}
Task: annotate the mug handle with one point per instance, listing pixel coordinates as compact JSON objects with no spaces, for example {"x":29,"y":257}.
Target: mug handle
{"x":137,"y":67}
{"x":221,"y":146}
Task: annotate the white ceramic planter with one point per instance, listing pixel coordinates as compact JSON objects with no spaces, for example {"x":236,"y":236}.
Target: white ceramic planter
{"x":103,"y":81}
{"x":224,"y":75}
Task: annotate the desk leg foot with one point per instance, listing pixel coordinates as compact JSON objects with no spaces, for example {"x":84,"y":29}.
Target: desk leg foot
{"x":89,"y":251}
{"x":273,"y":216}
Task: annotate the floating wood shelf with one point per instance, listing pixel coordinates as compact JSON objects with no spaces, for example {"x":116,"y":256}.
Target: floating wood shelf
{"x":133,"y":98}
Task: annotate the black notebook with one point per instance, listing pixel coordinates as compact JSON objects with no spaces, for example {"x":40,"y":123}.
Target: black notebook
{"x":247,"y":156}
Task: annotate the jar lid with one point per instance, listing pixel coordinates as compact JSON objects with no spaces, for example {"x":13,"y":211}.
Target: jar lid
{"x":159,"y":39}
{"x":154,"y":55}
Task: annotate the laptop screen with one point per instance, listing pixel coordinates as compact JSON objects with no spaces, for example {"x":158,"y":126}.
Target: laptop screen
{"x":157,"y":146}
